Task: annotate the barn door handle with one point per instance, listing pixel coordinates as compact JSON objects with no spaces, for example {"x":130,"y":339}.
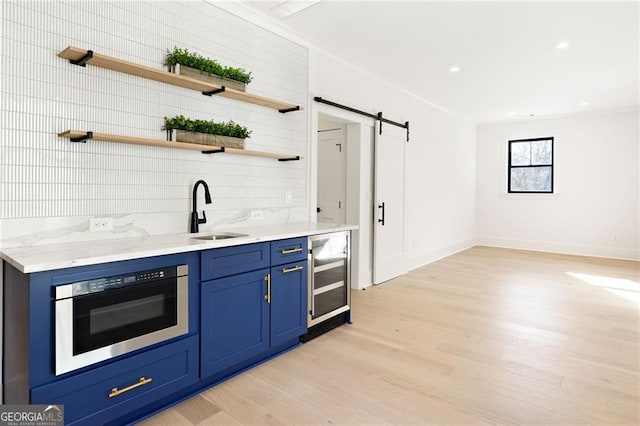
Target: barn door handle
{"x":381,"y":206}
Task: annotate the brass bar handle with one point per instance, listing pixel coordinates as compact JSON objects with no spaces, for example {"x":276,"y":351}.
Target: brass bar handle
{"x":267,"y":296}
{"x":295,"y":268}
{"x":295,"y":250}
{"x":143,"y":381}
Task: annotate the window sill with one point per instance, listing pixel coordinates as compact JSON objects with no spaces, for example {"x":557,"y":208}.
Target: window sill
{"x":529,"y":195}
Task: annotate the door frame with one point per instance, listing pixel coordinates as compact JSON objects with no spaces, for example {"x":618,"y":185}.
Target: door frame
{"x":340,"y":128}
{"x":359,"y":176}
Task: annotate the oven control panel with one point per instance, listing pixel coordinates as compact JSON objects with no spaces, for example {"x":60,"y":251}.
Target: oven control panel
{"x":109,"y":283}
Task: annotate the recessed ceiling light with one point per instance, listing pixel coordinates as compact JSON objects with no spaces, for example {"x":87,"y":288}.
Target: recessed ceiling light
{"x":562,"y":45}
{"x":585,"y":103}
{"x":512,"y":113}
{"x":454,"y":69}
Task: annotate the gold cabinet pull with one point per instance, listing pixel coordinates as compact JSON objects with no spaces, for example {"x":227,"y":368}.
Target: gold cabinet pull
{"x":267,"y":296}
{"x":295,"y":268}
{"x":143,"y":381}
{"x":295,"y":250}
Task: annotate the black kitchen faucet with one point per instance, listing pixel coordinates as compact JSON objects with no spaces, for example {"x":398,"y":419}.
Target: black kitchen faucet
{"x":195,"y":220}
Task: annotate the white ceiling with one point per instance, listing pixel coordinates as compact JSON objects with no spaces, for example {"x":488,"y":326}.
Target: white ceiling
{"x":509,"y":64}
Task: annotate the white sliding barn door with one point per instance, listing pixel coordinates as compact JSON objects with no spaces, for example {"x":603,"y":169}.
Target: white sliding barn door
{"x":390,"y":257}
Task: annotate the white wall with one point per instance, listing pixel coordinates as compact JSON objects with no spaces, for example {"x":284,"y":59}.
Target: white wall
{"x":440,"y":165}
{"x":595,"y":208}
{"x":50,"y":187}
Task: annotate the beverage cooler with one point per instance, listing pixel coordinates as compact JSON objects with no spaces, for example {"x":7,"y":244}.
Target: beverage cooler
{"x":329,"y":282}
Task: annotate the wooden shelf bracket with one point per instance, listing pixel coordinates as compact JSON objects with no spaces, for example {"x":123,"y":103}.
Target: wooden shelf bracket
{"x":82,"y":62}
{"x":214,"y":151}
{"x":214,"y":92}
{"x":82,"y":138}
{"x":286,"y":110}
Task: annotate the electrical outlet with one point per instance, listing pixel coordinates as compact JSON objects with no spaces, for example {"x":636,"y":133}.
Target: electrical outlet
{"x":256,"y":215}
{"x":288,"y":197}
{"x":100,"y":224}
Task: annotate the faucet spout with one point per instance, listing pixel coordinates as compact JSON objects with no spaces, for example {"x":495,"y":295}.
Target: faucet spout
{"x":195,"y":220}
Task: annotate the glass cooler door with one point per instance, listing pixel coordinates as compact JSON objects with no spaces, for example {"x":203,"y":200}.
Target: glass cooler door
{"x":329,"y":289}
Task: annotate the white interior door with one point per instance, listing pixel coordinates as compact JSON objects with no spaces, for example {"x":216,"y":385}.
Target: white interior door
{"x":331,"y":176}
{"x":389,"y":255}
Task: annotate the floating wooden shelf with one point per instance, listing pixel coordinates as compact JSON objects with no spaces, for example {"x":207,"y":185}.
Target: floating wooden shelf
{"x":81,"y":57}
{"x":83,"y":136}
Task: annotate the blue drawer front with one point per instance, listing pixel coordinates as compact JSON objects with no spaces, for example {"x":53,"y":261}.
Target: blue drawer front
{"x":291,"y":250}
{"x":227,"y":261}
{"x":86,"y":396}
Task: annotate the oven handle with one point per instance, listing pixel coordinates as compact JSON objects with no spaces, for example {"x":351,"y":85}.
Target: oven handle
{"x":143,"y":381}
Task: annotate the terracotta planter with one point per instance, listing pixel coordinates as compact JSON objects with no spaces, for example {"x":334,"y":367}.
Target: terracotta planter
{"x":209,"y":78}
{"x":206,"y":139}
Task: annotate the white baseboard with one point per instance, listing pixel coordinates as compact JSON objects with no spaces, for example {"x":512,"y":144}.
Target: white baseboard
{"x":578,"y":250}
{"x":362,"y":285}
{"x":422,"y":259}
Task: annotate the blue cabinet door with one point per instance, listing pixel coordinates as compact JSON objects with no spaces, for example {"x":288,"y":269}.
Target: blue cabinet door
{"x":235,"y":320}
{"x":288,"y":302}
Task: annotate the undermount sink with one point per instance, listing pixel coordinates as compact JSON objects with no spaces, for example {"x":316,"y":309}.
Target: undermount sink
{"x":219,"y":236}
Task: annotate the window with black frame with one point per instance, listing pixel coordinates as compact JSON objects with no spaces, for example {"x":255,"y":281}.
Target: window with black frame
{"x":531,"y":166}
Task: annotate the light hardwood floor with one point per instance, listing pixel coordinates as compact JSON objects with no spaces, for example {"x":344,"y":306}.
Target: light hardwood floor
{"x":487,"y":336}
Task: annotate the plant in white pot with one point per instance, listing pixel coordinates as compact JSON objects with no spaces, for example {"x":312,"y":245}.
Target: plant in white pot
{"x":193,"y":65}
{"x":229,"y":134}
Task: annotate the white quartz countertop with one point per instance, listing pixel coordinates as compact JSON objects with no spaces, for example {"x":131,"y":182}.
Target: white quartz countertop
{"x":58,"y":256}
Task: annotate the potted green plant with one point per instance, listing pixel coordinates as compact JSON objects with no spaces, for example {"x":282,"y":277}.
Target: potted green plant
{"x":182,"y":129}
{"x":183,"y":62}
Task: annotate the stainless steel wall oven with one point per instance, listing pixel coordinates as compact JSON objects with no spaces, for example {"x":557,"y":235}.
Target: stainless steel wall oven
{"x":102,"y":318}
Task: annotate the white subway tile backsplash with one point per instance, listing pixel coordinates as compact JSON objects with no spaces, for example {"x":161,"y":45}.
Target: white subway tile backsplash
{"x":44,"y":176}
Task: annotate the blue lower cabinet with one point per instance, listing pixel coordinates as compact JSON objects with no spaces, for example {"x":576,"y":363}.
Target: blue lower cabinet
{"x":234,"y":320}
{"x":245,"y":315}
{"x":251,"y":305}
{"x":288,"y":302}
{"x":106,"y":393}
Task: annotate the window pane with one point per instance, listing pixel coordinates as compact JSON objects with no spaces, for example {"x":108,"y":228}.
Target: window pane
{"x":520,"y":153}
{"x":541,"y":152}
{"x":534,"y":179}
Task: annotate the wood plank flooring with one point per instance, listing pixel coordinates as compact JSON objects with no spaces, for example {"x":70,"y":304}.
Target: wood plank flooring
{"x":487,"y":336}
